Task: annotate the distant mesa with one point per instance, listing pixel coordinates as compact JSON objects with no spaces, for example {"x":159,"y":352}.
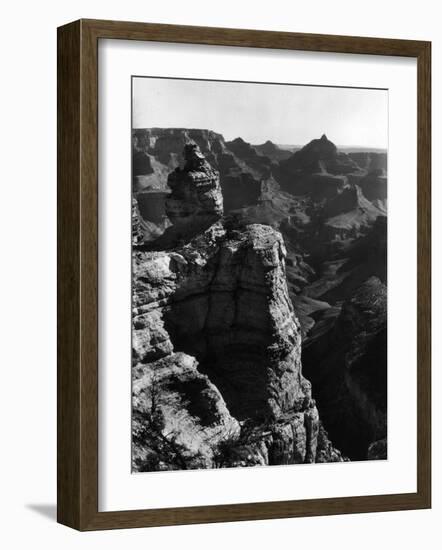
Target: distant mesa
{"x":265,"y":179}
{"x":312,"y":154}
{"x":318,"y":166}
{"x":248,"y":160}
{"x":241,"y":148}
{"x":273,"y":151}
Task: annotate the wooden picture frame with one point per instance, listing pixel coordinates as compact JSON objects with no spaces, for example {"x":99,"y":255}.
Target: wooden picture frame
{"x":78,"y":274}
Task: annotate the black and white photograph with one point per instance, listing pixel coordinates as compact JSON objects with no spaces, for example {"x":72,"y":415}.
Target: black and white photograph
{"x":259,"y":274}
{"x":220,"y":242}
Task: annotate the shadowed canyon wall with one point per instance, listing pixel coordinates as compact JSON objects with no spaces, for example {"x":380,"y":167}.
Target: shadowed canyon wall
{"x":211,"y":211}
{"x":216,"y":340}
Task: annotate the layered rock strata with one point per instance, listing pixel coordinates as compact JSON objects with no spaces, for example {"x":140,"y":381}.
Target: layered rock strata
{"x":224,"y":299}
{"x":216,"y":344}
{"x":196,"y":193}
{"x":179,"y":416}
{"x":240,"y":167}
{"x":331,"y":209}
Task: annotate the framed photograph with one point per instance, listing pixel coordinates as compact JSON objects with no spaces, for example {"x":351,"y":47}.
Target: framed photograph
{"x":243,"y":275}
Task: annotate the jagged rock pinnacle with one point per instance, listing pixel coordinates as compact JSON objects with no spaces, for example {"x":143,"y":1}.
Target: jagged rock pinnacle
{"x":196,"y":192}
{"x":195,"y":160}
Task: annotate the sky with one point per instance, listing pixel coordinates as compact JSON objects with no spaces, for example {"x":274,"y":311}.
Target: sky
{"x":257,"y":112}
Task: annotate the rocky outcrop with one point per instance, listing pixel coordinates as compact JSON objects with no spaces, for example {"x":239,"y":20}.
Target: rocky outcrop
{"x":196,"y":197}
{"x":223,"y":298}
{"x":240,"y":175}
{"x":215,"y":335}
{"x":329,"y":207}
{"x":179,"y":416}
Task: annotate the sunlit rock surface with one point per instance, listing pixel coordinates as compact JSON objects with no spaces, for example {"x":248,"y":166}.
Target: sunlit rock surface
{"x":220,"y":303}
{"x":321,"y":213}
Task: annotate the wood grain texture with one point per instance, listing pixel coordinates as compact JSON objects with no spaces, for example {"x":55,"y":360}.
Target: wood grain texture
{"x":68,"y":276}
{"x":252,"y":38}
{"x":78,"y":274}
{"x":424,"y":274}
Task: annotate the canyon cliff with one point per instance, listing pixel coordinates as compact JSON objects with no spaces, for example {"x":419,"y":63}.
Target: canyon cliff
{"x":327,"y":207}
{"x":216,"y":344}
{"x":346,"y":362}
{"x":240,"y":167}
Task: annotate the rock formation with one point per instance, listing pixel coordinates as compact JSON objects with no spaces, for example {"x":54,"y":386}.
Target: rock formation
{"x":348,"y":215}
{"x":330,"y":209}
{"x":347,"y":363}
{"x":240,"y":175}
{"x":319,"y":156}
{"x":247,"y":153}
{"x":196,"y":194}
{"x":272,"y":151}
{"x":179,"y":416}
{"x":216,"y":343}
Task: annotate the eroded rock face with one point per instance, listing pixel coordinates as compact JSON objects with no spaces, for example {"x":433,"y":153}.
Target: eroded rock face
{"x":216,"y":339}
{"x":239,"y":176}
{"x":179,"y":416}
{"x":223,"y":298}
{"x":196,"y":192}
{"x":347,"y":363}
{"x":330,"y":208}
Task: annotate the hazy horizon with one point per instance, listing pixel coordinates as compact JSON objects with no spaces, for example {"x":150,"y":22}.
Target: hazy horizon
{"x":350,"y":117}
{"x":281,"y":145}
